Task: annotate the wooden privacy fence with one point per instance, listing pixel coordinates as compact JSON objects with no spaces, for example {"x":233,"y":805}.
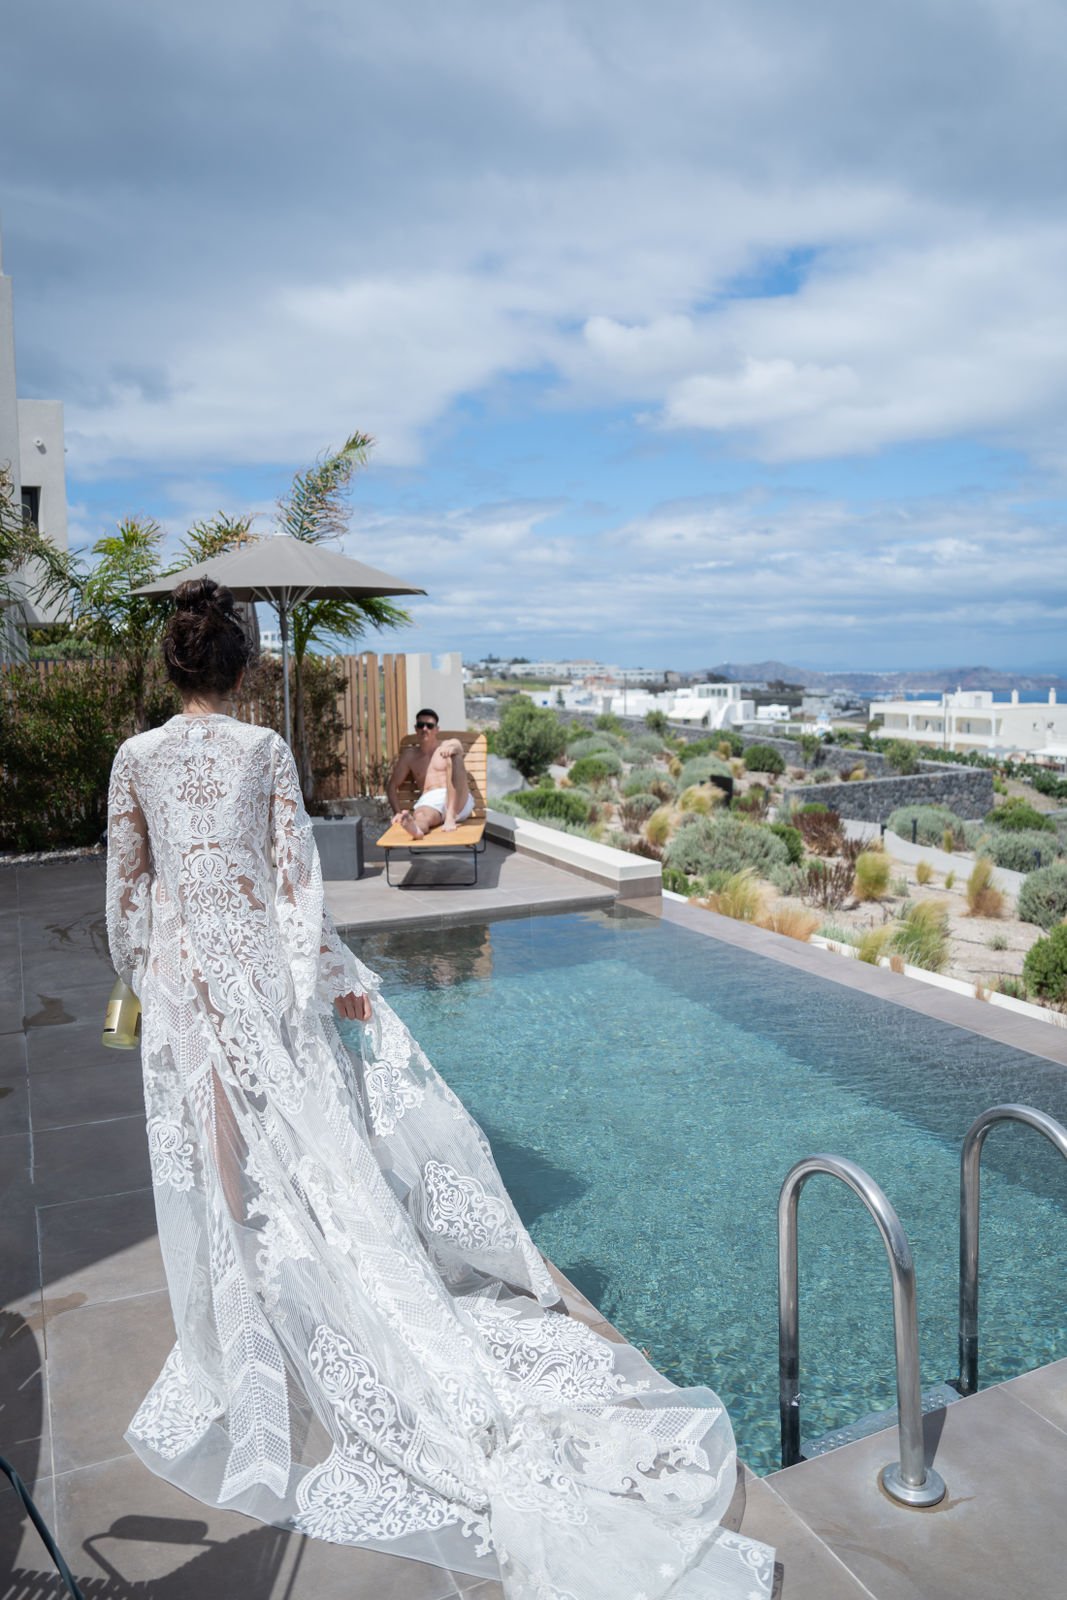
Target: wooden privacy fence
{"x":372,"y":710}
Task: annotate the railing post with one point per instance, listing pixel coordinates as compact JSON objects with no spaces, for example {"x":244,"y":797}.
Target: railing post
{"x":910,"y":1481}
{"x":970,"y":1218}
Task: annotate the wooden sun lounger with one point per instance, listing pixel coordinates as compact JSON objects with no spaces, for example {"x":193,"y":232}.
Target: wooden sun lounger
{"x":469,"y":836}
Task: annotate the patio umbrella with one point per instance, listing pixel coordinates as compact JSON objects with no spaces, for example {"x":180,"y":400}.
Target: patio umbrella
{"x":286,"y":572}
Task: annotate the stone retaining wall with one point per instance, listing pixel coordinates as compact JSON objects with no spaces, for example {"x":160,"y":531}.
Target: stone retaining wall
{"x":968,"y":791}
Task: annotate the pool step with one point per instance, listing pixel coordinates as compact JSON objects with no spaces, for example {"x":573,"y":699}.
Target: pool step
{"x":935,"y":1399}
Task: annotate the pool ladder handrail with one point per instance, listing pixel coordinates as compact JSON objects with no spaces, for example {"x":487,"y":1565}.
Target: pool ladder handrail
{"x":909,"y":1481}
{"x":970,"y":1216}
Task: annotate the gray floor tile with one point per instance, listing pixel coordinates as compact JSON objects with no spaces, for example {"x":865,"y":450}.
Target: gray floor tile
{"x":112,"y":1086}
{"x":126,"y":1340}
{"x":1044,"y":1391}
{"x":150,"y":1533}
{"x":14,"y":1104}
{"x":805,"y":1568}
{"x":23,"y":1399}
{"x":24,"y":1562}
{"x":54,"y":1004}
{"x":20,"y":1266}
{"x":14,"y":1166}
{"x":102,"y":1249}
{"x":75,"y":1044}
{"x":94,"y":1158}
{"x":998,"y":1533}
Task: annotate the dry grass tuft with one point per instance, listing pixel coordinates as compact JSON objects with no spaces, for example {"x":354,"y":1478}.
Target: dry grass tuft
{"x":701,"y":799}
{"x":983,"y":900}
{"x":872,"y":945}
{"x":660,"y":826}
{"x":872,"y":875}
{"x":923,"y":872}
{"x":740,"y":897}
{"x":795,"y":922}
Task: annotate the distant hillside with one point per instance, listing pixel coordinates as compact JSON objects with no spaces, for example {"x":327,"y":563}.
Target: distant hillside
{"x":936,"y":680}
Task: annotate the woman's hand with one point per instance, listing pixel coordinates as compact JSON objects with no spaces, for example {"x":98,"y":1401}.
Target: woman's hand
{"x":356,"y":1007}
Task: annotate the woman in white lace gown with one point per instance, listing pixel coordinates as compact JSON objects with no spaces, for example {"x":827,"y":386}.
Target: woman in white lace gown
{"x":369,"y":1348}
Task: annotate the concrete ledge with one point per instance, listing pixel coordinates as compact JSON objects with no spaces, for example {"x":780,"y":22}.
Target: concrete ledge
{"x":629,"y":877}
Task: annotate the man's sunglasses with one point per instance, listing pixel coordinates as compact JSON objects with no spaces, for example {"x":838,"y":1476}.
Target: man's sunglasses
{"x":424,"y":727}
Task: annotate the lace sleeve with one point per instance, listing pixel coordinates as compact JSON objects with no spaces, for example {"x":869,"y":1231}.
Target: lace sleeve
{"x":322,"y":966}
{"x":129,"y":876}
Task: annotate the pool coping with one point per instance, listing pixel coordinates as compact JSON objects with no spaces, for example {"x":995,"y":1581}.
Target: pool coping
{"x":1005,"y":1027}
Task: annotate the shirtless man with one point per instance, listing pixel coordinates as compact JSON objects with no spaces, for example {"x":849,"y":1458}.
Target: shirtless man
{"x":445,"y":799}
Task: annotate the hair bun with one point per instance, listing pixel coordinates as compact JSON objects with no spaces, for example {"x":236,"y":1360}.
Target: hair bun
{"x":202,"y":596}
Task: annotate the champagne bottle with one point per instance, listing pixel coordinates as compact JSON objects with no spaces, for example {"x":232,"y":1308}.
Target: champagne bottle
{"x":122,"y":1021}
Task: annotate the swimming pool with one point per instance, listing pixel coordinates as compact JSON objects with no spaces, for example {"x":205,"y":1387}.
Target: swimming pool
{"x":646,"y":1089}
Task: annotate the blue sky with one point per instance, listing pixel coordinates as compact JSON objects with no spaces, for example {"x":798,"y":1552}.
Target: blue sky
{"x":691,"y":334}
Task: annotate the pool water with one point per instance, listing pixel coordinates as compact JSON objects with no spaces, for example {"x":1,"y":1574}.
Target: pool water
{"x":646,"y":1089}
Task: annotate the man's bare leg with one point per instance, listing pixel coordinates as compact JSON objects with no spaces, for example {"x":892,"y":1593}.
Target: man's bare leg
{"x":457,"y":789}
{"x":420,"y":821}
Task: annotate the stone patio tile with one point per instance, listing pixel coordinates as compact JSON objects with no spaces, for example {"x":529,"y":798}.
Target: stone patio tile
{"x":102,"y":1360}
{"x":20,"y":1265}
{"x":804,"y":1567}
{"x":102,"y":1249}
{"x":73,"y":1044}
{"x":152,"y":1534}
{"x":14,"y":1095}
{"x":24,"y":1561}
{"x":61,"y":971}
{"x":108,"y":1087}
{"x":997,"y":1533}
{"x":90,"y":1159}
{"x":1044,"y":1391}
{"x":23,"y":1399}
{"x":56,"y":1003}
{"x":14,"y":1166}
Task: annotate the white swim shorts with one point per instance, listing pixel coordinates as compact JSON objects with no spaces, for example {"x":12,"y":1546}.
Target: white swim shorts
{"x":437,"y":800}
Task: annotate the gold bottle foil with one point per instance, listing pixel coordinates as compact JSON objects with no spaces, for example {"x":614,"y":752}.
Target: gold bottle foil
{"x":122,"y":1021}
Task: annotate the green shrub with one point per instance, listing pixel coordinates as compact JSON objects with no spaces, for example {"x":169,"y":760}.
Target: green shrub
{"x":792,"y":839}
{"x":675,"y":880}
{"x":764,"y":758}
{"x":608,"y":722}
{"x":997,"y":941}
{"x":1045,"y":967}
{"x":815,"y":808}
{"x":902,"y":757}
{"x":530,"y":736}
{"x":838,"y":933}
{"x":1018,"y":816}
{"x":649,"y":780}
{"x":697,"y":747}
{"x":734,"y":740}
{"x":922,"y":937}
{"x":1022,"y":852}
{"x":1010,"y":985}
{"x":562,"y":804}
{"x":872,"y":875}
{"x":650,"y":743}
{"x":703,"y":768}
{"x":822,"y":775}
{"x":656,"y":722}
{"x":1043,"y":896}
{"x":722,"y":843}
{"x":595,"y":768}
{"x":588,"y":744}
{"x":931,"y":823}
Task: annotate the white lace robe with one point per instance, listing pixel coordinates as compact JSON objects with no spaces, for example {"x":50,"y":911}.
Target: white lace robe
{"x":369,"y":1347}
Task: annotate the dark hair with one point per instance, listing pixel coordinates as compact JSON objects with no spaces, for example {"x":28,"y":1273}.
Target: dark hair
{"x":205,"y":646}
{"x":427,"y":712}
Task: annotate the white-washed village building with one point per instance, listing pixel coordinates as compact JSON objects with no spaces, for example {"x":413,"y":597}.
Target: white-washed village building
{"x":32,"y":457}
{"x":972,"y":720}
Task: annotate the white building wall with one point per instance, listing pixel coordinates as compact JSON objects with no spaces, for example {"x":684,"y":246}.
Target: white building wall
{"x":439,"y":686}
{"x":42,"y":461}
{"x":973,"y":720}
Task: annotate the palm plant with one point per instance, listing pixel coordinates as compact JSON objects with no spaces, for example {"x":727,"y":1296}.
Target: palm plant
{"x":120,"y":624}
{"x":30,"y":566}
{"x":315,"y":511}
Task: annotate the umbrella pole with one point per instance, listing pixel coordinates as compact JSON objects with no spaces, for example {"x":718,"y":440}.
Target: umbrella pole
{"x":283,"y":622}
